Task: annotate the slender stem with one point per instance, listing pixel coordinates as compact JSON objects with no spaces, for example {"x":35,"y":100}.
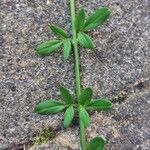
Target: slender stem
{"x":75,"y":46}
{"x":77,"y":71}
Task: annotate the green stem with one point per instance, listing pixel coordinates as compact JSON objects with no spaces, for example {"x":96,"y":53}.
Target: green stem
{"x":77,"y":71}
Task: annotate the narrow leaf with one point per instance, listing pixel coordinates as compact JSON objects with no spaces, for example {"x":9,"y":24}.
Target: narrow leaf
{"x":67,"y":97}
{"x":100,"y":105}
{"x":84,"y":116}
{"x":79,"y":22}
{"x":68,"y":117}
{"x":85,"y":40}
{"x":49,"y":107}
{"x":48,"y":47}
{"x":86,"y":96}
{"x":59,"y":31}
{"x":52,"y":110}
{"x":97,"y":18}
{"x":67,"y":48}
{"x":98,"y":143}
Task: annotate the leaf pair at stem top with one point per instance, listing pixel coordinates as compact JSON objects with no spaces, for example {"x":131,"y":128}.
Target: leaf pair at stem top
{"x":67,"y":103}
{"x":83,"y":24}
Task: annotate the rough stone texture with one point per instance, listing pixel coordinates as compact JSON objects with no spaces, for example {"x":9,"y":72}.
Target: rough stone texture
{"x":120,"y":63}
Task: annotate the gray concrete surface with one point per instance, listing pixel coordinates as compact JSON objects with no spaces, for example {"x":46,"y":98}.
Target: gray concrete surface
{"x":120,"y":63}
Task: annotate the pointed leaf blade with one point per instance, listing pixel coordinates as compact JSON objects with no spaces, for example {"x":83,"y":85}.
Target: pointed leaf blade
{"x":80,"y":19}
{"x":67,"y":97}
{"x":59,"y":31}
{"x":46,"y":48}
{"x":85,"y":40}
{"x":52,"y":110}
{"x":97,"y":18}
{"x":67,"y":49}
{"x":86,"y":96}
{"x":49,"y":107}
{"x":68,"y":116}
{"x":84,"y":116}
{"x":100,"y":105}
{"x":98,"y":143}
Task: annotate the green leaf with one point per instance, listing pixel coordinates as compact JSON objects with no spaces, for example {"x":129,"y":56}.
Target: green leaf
{"x":98,"y":143}
{"x":68,"y":117}
{"x":67,"y":97}
{"x":59,"y":31}
{"x":85,"y":40}
{"x":67,"y":48}
{"x":48,"y":47}
{"x":49,"y":107}
{"x":86,"y":96}
{"x":97,"y":18}
{"x":84,"y":117}
{"x":100,"y":105}
{"x":79,"y":22}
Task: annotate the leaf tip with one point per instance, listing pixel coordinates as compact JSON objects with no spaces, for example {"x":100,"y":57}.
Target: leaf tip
{"x":51,"y":25}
